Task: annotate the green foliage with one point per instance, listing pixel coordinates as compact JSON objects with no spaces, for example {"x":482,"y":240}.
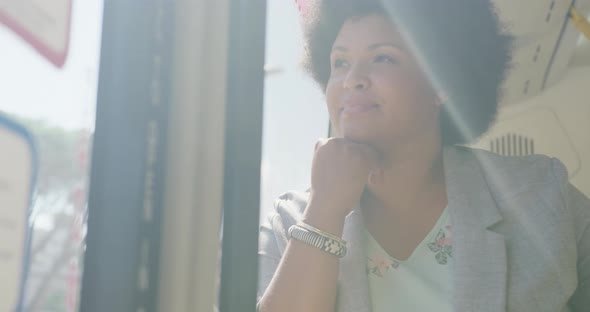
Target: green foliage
{"x":62,"y":154}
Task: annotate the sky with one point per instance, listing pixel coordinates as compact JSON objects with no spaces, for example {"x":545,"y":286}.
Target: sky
{"x":32,"y":87}
{"x":295,"y":115}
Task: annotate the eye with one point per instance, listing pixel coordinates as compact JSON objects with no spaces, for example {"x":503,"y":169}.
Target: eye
{"x":382,"y":58}
{"x":338,"y":63}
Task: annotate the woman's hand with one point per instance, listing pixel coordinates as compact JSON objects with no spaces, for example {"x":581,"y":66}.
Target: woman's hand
{"x":306,"y":277}
{"x":340,"y":171}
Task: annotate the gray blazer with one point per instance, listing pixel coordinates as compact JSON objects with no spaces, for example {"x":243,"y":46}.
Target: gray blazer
{"x":521,"y":237}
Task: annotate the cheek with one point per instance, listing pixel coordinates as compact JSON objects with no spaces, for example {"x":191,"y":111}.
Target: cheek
{"x":404,"y":92}
{"x":332,"y":96}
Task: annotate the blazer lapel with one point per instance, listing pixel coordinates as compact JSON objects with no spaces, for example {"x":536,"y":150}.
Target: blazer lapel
{"x":479,"y":254}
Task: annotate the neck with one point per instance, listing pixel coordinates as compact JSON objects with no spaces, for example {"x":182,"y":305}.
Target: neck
{"x":410,"y":180}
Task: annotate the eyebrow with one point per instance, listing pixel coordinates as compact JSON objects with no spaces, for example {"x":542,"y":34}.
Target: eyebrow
{"x":374,"y":46}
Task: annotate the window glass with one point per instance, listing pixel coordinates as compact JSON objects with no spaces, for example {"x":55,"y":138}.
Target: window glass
{"x":295,"y":115}
{"x":57,"y":105}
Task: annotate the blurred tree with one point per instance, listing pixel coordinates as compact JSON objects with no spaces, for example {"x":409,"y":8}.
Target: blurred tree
{"x":59,"y":154}
{"x":61,"y":185}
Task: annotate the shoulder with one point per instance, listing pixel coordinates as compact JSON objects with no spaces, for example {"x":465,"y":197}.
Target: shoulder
{"x":529,"y":167}
{"x":508,"y":176}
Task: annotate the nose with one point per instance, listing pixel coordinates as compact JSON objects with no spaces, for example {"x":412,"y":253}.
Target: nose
{"x":357,"y":78}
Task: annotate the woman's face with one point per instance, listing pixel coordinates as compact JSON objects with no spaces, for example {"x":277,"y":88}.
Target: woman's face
{"x":377,"y":93}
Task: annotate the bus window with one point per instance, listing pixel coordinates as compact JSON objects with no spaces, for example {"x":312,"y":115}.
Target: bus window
{"x":52,"y":94}
{"x":295,"y":115}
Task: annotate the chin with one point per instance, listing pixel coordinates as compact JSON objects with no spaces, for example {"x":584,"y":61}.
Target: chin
{"x":362,"y":135}
{"x":372,"y":136}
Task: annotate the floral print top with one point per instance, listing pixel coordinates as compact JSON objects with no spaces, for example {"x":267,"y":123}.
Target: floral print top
{"x":423,"y":282}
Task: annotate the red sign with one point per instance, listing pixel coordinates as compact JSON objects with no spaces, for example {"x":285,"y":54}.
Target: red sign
{"x":45,"y":25}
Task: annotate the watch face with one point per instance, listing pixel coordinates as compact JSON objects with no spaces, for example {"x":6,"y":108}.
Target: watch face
{"x":17,"y":171}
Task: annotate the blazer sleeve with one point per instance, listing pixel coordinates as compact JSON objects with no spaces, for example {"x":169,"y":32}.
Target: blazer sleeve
{"x":269,"y":255}
{"x":273,"y":236}
{"x":579,"y":206}
{"x":271,"y":246}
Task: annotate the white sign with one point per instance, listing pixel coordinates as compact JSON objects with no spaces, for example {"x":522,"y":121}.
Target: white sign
{"x":17,"y":171}
{"x":44,"y":24}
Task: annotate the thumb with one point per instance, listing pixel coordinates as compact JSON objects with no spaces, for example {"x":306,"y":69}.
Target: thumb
{"x":318,"y":143}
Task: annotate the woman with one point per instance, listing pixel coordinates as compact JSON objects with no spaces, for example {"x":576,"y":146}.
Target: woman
{"x":399,"y":218}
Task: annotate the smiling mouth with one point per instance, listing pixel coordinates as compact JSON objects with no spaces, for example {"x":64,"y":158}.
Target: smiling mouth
{"x":358,"y":109}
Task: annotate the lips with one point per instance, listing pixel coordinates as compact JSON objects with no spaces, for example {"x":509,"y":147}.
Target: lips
{"x":351,"y":109}
{"x":357,"y":105}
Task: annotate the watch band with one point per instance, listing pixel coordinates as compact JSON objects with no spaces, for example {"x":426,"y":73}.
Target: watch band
{"x":329,"y":244}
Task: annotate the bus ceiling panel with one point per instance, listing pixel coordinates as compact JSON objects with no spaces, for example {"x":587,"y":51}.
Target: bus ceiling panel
{"x":531,"y":58}
{"x":582,"y":55}
{"x":565,"y":51}
{"x":545,"y":44}
{"x":525,"y":18}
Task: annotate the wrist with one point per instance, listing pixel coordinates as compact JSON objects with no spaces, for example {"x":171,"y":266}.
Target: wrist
{"x":321,"y":216}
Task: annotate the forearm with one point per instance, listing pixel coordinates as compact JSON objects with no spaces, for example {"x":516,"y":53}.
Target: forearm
{"x":306,"y":278}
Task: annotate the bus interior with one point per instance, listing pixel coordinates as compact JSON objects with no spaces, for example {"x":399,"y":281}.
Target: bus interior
{"x":145,"y":141}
